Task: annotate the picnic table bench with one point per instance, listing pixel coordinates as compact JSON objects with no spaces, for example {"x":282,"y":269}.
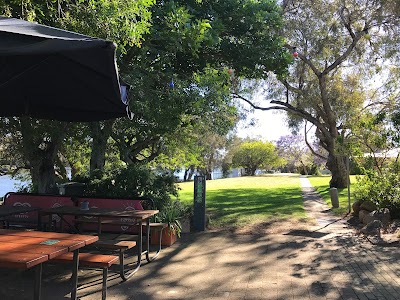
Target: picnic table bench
{"x":29,"y":218}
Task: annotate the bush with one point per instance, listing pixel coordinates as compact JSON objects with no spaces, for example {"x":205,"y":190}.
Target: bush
{"x":172,"y":213}
{"x":131,"y":182}
{"x":383,"y":190}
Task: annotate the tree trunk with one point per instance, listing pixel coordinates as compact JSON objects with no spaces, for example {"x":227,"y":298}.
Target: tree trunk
{"x":253,"y":171}
{"x":304,"y":168}
{"x":41,"y":154}
{"x":337,"y":165}
{"x":43,"y":176}
{"x":189,"y":173}
{"x":100,"y":133}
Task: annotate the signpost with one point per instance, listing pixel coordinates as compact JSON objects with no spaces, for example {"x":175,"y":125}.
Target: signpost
{"x":199,"y":214}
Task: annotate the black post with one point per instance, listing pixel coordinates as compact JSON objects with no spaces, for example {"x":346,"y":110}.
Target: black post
{"x":199,"y":214}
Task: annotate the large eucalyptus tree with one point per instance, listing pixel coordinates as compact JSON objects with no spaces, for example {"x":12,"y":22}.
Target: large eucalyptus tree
{"x":340,"y":48}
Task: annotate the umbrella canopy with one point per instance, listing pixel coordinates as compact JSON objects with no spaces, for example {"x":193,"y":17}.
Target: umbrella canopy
{"x":49,"y":73}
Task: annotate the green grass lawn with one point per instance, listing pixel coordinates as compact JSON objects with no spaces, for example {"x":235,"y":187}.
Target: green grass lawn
{"x":235,"y":201}
{"x":321,"y":184}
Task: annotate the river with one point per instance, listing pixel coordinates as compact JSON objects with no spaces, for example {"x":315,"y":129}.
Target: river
{"x":7,"y":184}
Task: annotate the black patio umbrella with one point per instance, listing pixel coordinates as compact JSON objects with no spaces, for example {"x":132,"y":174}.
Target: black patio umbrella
{"x":49,"y":73}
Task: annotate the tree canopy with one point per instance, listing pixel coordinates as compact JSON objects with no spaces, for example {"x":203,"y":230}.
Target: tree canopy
{"x":339,"y":49}
{"x":256,"y":155}
{"x":179,"y":58}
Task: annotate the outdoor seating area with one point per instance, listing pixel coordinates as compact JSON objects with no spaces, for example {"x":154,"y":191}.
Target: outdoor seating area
{"x":170,"y":150}
{"x":49,"y":228}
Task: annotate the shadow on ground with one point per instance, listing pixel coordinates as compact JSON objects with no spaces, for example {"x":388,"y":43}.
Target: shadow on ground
{"x":297,"y":264}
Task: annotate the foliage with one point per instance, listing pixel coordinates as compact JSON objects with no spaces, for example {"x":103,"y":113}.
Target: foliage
{"x":297,"y":155}
{"x":172,"y":213}
{"x":382,"y":189}
{"x":130,"y":182}
{"x":338,"y":45}
{"x":178,"y":68}
{"x":181,"y":74}
{"x":256,"y":155}
{"x":40,"y":145}
{"x":124,"y":22}
{"x":34,"y":145}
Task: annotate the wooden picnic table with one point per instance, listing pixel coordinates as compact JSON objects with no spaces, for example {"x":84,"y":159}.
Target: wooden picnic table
{"x":30,"y":249}
{"x":103,"y":216}
{"x":6,"y":211}
{"x":13,"y":210}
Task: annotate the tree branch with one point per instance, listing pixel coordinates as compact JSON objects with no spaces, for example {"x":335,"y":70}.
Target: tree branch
{"x":292,"y":88}
{"x":305,"y":59}
{"x":309,"y":146}
{"x":289,"y":108}
{"x":355,"y":38}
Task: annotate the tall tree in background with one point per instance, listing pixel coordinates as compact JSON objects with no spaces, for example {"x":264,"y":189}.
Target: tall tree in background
{"x":180,"y":74}
{"x":256,"y":155}
{"x":339,"y":48}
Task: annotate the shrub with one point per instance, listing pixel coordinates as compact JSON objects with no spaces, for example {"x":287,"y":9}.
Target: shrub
{"x":172,"y":213}
{"x":382,"y":189}
{"x":131,"y":182}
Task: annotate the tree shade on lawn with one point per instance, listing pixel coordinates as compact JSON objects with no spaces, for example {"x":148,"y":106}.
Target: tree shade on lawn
{"x":250,"y":199}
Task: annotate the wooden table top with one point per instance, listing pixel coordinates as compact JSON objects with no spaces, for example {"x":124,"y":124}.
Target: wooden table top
{"x":25,"y":249}
{"x":87,"y":239}
{"x":6,"y":210}
{"x":100,"y":212}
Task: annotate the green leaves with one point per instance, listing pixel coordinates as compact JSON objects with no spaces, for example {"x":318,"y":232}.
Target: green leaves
{"x":256,"y":155}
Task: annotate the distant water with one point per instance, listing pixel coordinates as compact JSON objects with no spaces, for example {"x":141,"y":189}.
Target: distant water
{"x":7,"y":184}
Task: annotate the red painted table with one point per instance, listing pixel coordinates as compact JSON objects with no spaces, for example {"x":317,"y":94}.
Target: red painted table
{"x":29,"y":249}
{"x":103,"y":215}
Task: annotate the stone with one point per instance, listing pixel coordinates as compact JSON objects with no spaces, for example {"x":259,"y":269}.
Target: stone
{"x":356,"y":207}
{"x":368,"y":205}
{"x":372,"y":228}
{"x":394,"y":226}
{"x":362,"y":214}
{"x":382,"y":215}
{"x":185,"y":225}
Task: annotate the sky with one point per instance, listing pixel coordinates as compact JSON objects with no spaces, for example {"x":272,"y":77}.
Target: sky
{"x":270,"y":126}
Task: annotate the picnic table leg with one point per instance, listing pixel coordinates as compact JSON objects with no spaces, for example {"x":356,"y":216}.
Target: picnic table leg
{"x":39,"y":222}
{"x":150,"y":259}
{"x":37,"y":293}
{"x":75,"y":265}
{"x":126,"y":275}
{"x":148,"y":241}
{"x":98,"y":225}
{"x":50,"y":219}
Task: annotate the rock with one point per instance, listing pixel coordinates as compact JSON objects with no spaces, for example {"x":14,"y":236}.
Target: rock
{"x":362,"y":214}
{"x":185,"y":225}
{"x":394,"y":226}
{"x":382,"y":215}
{"x":356,"y":207}
{"x":372,"y":228}
{"x":368,"y":205}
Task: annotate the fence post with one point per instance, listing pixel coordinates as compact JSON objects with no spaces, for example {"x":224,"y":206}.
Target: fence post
{"x":334,"y":197}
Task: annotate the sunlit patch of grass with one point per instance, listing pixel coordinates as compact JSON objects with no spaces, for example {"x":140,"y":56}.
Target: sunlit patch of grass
{"x":321,"y":185}
{"x":243,"y":200}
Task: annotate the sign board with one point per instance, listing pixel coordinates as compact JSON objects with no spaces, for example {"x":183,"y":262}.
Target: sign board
{"x":199,"y":214}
